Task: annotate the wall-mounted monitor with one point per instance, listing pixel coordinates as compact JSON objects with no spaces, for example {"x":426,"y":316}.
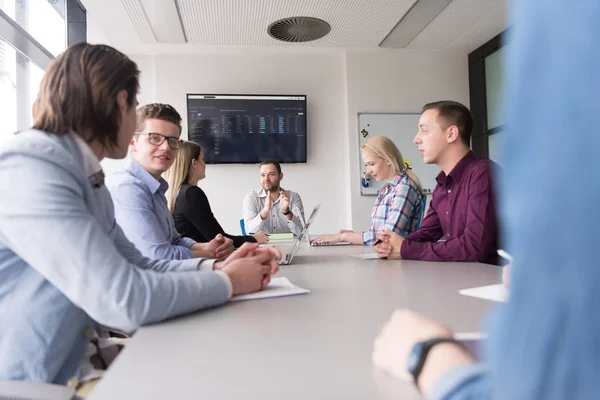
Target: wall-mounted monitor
{"x":237,"y":129}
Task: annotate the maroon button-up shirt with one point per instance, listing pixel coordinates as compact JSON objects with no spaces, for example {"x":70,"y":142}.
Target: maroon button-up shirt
{"x":463,"y":212}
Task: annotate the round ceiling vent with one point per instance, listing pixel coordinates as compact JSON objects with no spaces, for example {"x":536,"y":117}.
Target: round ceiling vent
{"x":298,"y":29}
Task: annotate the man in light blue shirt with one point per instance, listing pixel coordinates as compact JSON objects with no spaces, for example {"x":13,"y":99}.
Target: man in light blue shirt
{"x":66,"y":268}
{"x":545,"y":342}
{"x":138,"y":191}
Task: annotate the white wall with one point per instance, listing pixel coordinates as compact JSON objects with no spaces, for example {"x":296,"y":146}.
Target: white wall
{"x":321,"y":77}
{"x":396,"y":81}
{"x":338,"y":87}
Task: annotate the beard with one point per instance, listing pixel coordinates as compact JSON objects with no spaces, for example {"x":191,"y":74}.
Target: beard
{"x":274,"y":188}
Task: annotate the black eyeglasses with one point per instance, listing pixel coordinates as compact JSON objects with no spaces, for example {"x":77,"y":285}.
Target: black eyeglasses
{"x":157,"y":139}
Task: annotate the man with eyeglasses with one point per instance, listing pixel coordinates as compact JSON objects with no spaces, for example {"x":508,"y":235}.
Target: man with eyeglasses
{"x":138,"y":191}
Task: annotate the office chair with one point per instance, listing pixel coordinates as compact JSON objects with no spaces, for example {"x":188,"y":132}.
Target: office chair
{"x":422,"y":210}
{"x":25,"y":390}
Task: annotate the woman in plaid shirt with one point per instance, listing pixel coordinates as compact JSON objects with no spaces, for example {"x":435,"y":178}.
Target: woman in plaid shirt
{"x":398,"y":203}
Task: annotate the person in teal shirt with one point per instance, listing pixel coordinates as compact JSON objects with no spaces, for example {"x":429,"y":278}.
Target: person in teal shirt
{"x":545,"y":342}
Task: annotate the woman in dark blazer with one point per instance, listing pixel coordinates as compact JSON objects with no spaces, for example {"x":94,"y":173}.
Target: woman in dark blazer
{"x":189,"y":204}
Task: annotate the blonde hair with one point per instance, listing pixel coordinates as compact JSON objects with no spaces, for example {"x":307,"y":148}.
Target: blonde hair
{"x":179,"y":173}
{"x":383,"y":147}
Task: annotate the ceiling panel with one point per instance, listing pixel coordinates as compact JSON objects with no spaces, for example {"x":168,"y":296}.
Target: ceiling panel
{"x":140,"y":20}
{"x":357,"y":23}
{"x":455,"y":21}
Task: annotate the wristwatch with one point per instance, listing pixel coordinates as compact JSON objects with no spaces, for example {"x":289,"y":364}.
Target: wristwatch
{"x":419,"y":353}
{"x":287,"y":213}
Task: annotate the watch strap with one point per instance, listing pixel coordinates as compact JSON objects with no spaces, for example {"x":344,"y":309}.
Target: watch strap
{"x":426,"y":347}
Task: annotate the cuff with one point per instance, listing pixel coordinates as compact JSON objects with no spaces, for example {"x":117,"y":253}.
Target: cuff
{"x":190,"y":264}
{"x":187,"y":242}
{"x":404,"y":251}
{"x":227,"y":281}
{"x":206,"y":264}
{"x":367,"y":237}
{"x":455,"y":379}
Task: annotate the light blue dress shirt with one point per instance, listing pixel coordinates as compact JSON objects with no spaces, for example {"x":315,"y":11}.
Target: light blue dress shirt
{"x":142,"y":211}
{"x":545,"y":342}
{"x":66,"y":266}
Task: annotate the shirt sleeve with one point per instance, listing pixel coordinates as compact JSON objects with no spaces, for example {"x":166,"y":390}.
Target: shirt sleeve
{"x":469,"y":382}
{"x":251,"y":211}
{"x":135,"y":214}
{"x":133,"y":255}
{"x":402,"y":207}
{"x":51,"y":228}
{"x":469,"y":246}
{"x":297,"y":209}
{"x":181,"y":241}
{"x":368,"y":237}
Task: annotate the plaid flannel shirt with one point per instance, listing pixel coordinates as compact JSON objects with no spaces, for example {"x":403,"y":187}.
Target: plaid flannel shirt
{"x":397,"y":208}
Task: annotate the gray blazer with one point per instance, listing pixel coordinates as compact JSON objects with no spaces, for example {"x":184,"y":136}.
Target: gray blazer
{"x":66,"y":266}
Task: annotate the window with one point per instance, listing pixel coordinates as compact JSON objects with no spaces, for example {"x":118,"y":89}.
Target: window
{"x":494,"y":84}
{"x":42,"y":26}
{"x":42,"y":19}
{"x":486,"y":83}
{"x":8,"y":90}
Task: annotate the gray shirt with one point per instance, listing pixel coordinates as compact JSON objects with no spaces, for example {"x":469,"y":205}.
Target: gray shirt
{"x":275,"y":222}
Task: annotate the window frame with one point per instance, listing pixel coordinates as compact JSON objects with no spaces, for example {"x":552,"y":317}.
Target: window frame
{"x":29,"y":50}
{"x":478,"y":97}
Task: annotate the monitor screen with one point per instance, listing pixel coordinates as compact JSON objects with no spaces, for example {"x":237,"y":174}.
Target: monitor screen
{"x":248,"y":128}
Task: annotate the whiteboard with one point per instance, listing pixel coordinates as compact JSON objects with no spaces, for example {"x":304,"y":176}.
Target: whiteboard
{"x":401,"y":128}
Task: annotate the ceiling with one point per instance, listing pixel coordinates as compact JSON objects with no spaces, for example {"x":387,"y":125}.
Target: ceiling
{"x":458,"y":25}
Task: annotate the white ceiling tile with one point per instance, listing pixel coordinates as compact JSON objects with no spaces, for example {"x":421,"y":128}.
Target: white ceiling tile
{"x":452,"y":23}
{"x":354,"y":23}
{"x":140,"y":21}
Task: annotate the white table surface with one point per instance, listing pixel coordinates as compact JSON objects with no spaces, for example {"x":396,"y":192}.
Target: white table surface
{"x":314,"y":346}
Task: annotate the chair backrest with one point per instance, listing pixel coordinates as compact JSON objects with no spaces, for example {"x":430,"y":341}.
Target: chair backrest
{"x":243,"y":227}
{"x":25,"y":390}
{"x":422,"y":210}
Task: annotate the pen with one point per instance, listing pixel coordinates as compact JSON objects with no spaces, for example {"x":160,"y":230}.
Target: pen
{"x":377,"y":240}
{"x":254,"y":233}
{"x":505,"y":255}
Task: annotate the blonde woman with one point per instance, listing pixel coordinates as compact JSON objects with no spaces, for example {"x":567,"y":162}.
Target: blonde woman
{"x":188,"y":203}
{"x":397,"y":207}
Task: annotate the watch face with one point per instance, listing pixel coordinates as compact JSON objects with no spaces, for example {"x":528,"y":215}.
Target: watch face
{"x":413,"y":358}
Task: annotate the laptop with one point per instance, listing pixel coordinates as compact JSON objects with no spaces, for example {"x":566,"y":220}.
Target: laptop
{"x":309,"y":222}
{"x":286,"y":257}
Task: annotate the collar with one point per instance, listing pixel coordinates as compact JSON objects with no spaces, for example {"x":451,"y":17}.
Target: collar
{"x":458,"y":171}
{"x":262,"y":194}
{"x":139,"y":172}
{"x":91,"y":165}
{"x":391,"y":184}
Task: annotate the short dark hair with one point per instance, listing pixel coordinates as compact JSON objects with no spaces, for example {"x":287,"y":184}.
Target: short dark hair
{"x":454,"y":113}
{"x":79,"y":93}
{"x":272,"y":162}
{"x":164,"y":112}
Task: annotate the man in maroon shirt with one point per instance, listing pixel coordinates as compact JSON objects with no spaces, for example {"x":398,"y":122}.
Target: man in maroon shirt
{"x":463,"y":209}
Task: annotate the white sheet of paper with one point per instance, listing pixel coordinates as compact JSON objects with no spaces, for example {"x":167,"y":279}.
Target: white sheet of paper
{"x":277,"y":288}
{"x":492,"y":292}
{"x":365,"y":256}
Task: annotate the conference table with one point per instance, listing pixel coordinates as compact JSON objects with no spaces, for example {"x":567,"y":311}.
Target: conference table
{"x":311,"y":346}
